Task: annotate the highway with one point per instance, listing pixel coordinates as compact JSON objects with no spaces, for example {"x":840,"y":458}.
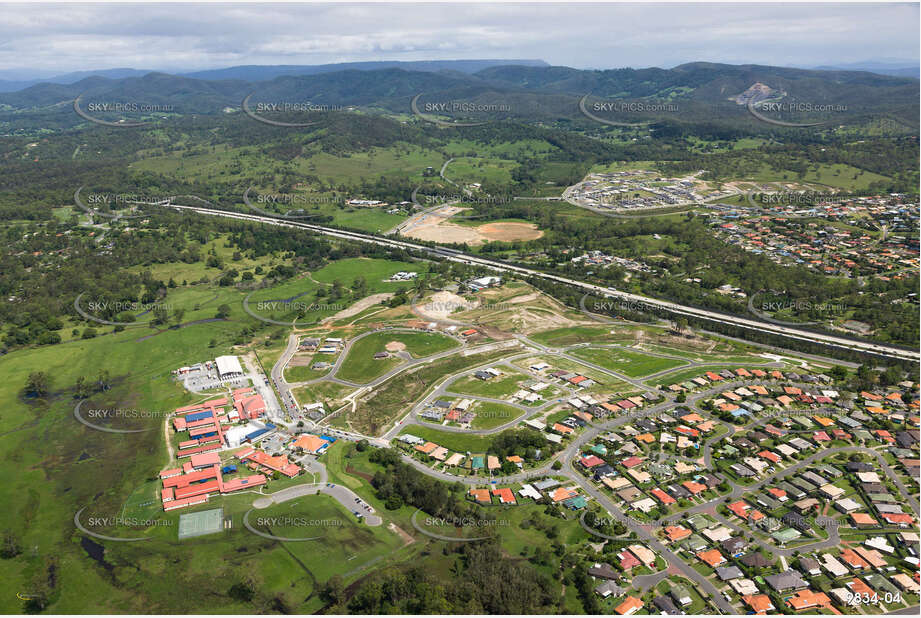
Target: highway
{"x":826,"y":339}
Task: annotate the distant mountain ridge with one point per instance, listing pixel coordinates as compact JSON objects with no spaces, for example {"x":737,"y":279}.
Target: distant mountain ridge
{"x":254,"y":72}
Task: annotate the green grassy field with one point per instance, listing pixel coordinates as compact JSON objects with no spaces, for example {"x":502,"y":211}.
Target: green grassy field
{"x":490,"y":415}
{"x":360,"y":365}
{"x":571,"y":335}
{"x":454,"y":441}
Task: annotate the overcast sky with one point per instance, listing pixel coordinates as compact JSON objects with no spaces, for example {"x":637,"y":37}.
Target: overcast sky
{"x":174,"y":37}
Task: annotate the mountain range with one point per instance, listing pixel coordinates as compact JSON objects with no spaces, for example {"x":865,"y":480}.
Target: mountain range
{"x":533,"y":91}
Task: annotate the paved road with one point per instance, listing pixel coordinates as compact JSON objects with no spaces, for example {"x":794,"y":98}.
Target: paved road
{"x":345,"y":496}
{"x":288,"y":402}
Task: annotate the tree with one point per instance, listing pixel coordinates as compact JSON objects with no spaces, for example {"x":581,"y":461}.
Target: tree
{"x":37,"y":384}
{"x":104,"y":380}
{"x":557,"y":465}
{"x":333,"y":590}
{"x":838,"y":372}
{"x":88,"y":333}
{"x":81,"y":388}
{"x":223,"y":311}
{"x":10,"y":546}
{"x":242,"y":591}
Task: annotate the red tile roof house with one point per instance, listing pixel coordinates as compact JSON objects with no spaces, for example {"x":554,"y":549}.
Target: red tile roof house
{"x":628,"y":560}
{"x":590,"y":462}
{"x":631,"y":462}
{"x":505,"y":495}
{"x":661,"y":496}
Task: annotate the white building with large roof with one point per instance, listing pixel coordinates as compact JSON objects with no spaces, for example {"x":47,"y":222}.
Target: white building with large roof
{"x":228,"y":367}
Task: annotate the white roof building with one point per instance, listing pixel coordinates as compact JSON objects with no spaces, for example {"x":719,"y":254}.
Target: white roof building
{"x":228,"y":367}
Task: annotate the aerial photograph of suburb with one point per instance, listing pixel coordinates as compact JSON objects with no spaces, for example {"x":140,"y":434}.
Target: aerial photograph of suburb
{"x":460,"y":308}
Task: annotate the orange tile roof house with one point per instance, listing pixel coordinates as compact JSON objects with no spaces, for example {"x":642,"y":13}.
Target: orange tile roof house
{"x":694,"y":487}
{"x":712,"y":557}
{"x":850,"y":558}
{"x":804,"y":599}
{"x":863,"y":519}
{"x":759,"y":603}
{"x":676,"y":533}
{"x":630,"y":606}
{"x":563,"y":493}
{"x":480,"y":495}
{"x":426,"y":448}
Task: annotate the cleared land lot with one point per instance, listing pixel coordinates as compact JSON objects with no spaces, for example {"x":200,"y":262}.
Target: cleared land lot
{"x":498,"y":388}
{"x":633,"y":364}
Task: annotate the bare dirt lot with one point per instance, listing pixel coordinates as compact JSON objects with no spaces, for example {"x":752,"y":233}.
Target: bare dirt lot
{"x":442,"y":304}
{"x":438,"y":228}
{"x":510,"y":231}
{"x":395,"y":346}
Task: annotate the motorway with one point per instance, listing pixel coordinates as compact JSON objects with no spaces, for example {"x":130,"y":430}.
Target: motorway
{"x":826,"y":339}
